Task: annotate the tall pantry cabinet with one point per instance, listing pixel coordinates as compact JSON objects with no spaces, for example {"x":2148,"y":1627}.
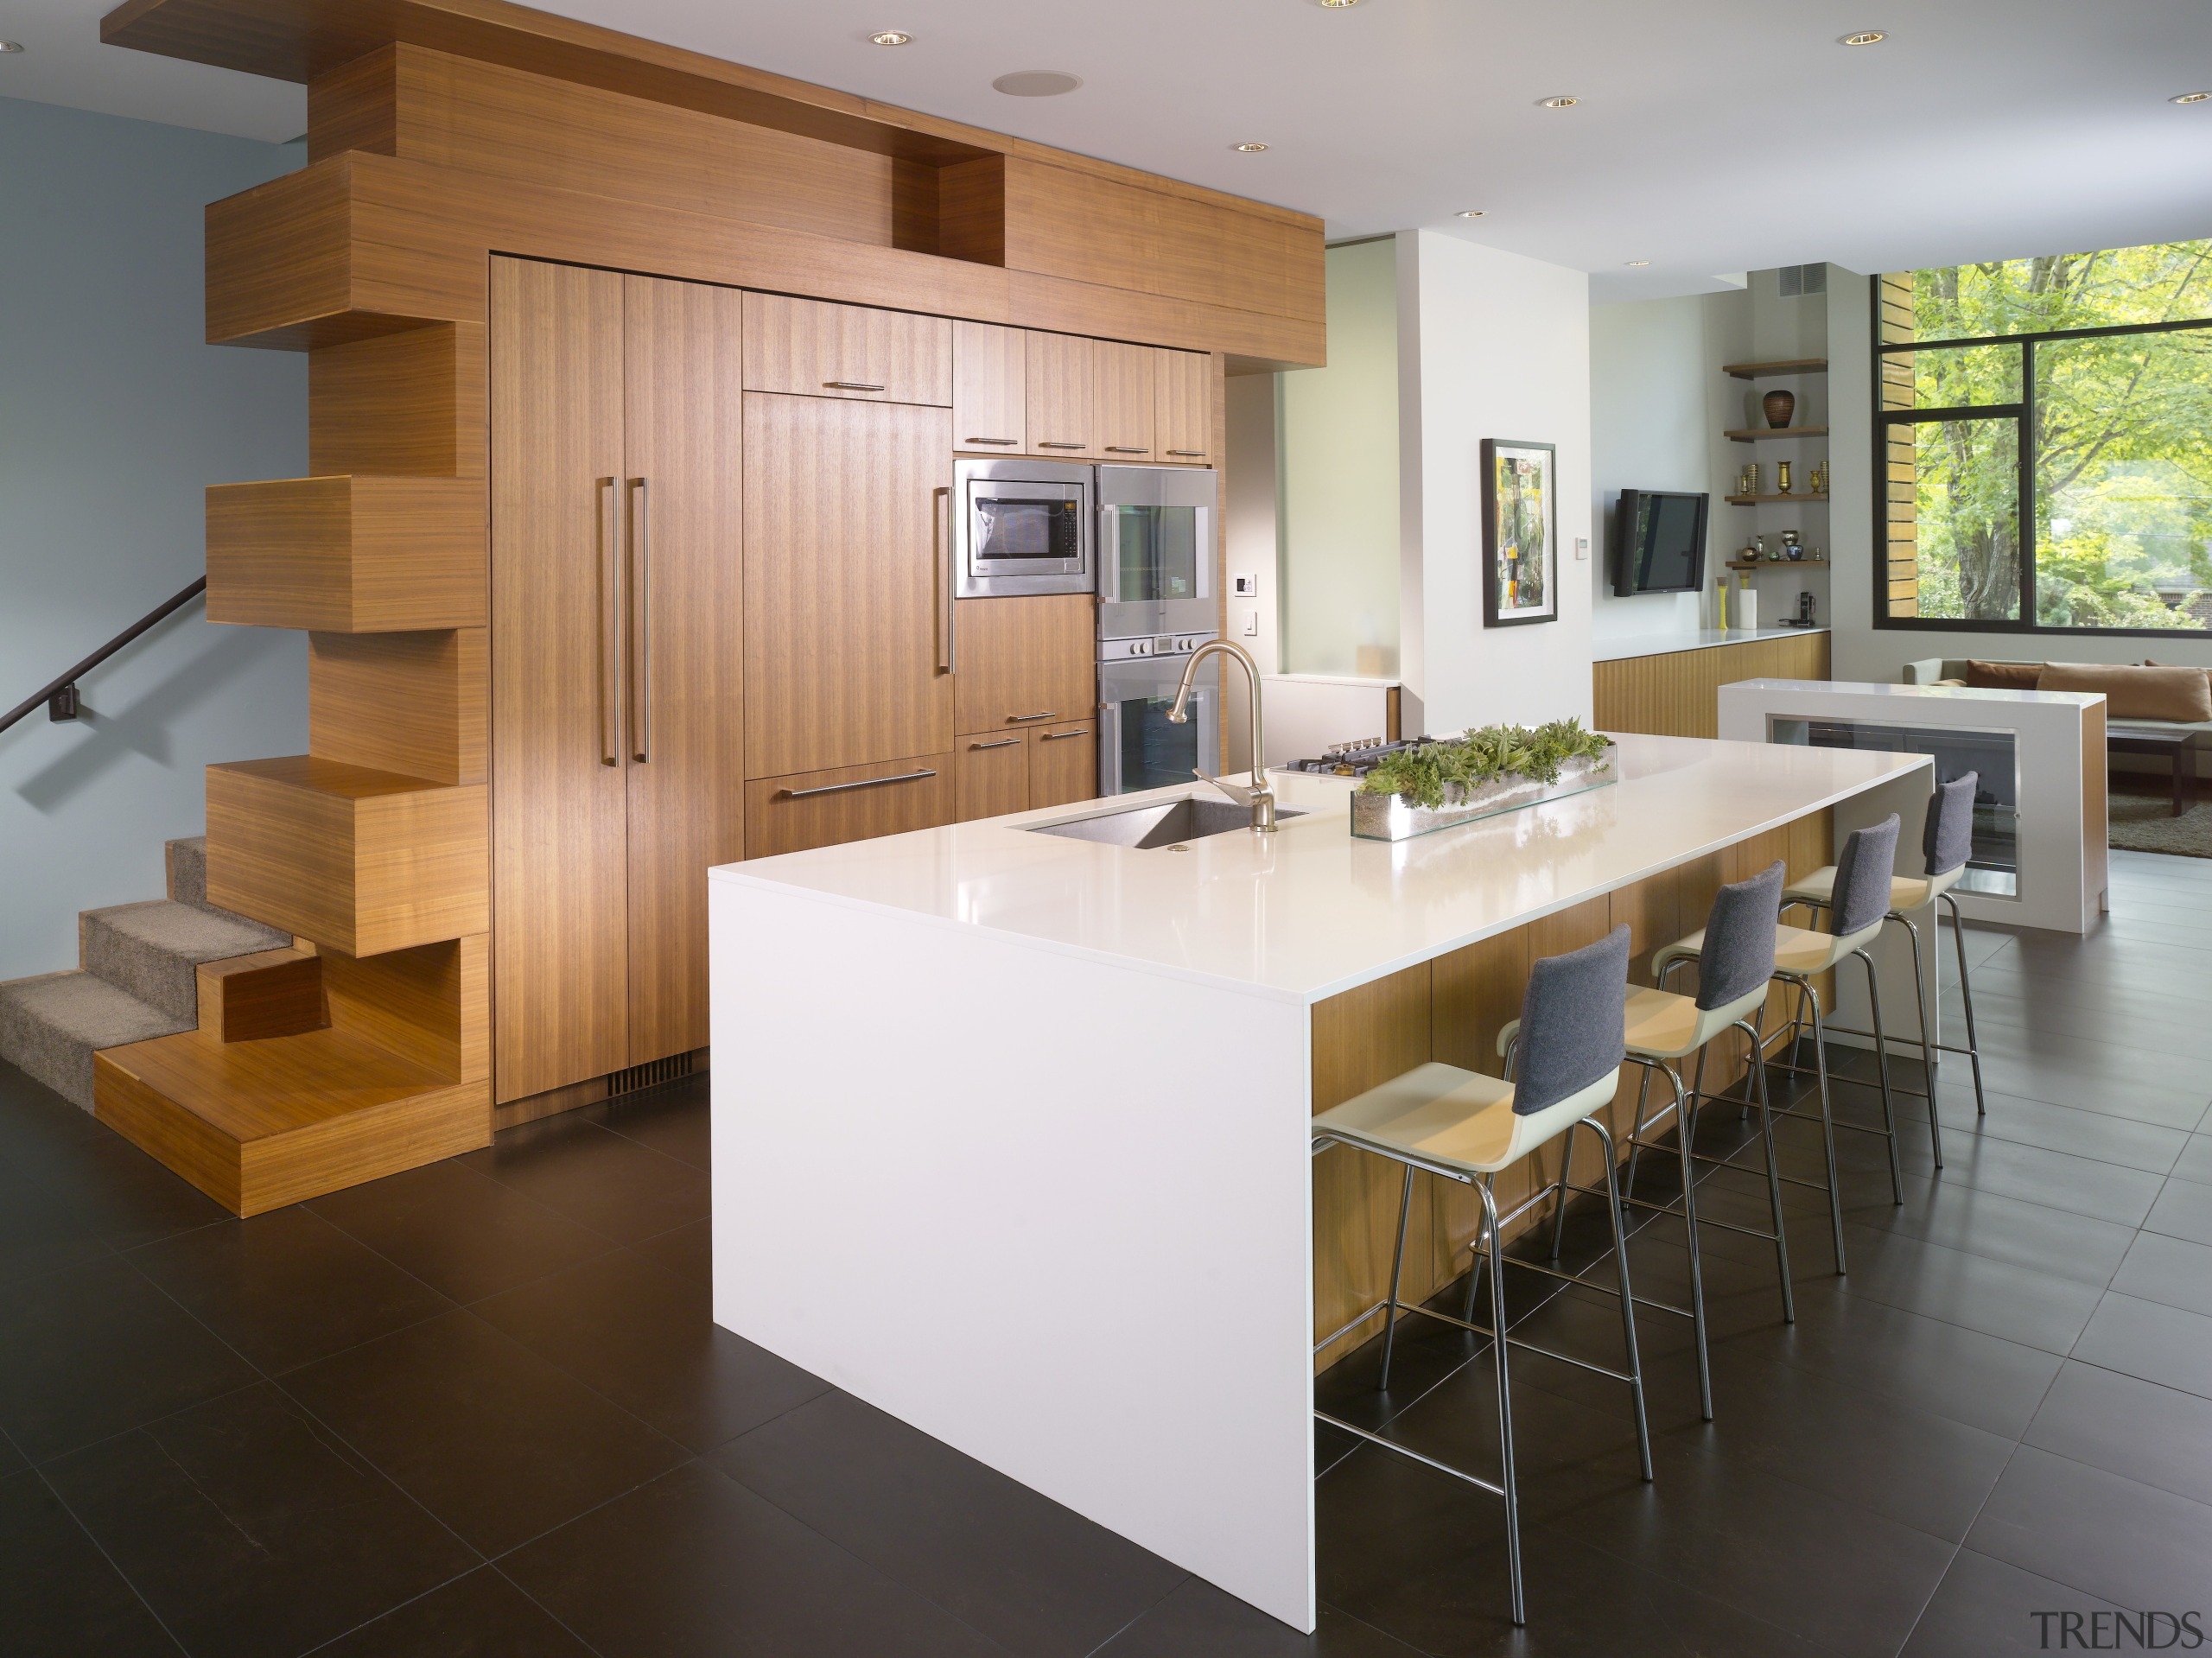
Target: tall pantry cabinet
{"x":618,"y":765}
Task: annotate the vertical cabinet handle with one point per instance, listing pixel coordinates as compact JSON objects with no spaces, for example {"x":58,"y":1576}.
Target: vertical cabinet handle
{"x":941,"y":529}
{"x":641,"y":607}
{"x":610,"y":623}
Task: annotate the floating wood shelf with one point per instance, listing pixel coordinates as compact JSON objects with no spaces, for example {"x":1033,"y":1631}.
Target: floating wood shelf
{"x":1788,"y":366}
{"x":1754,"y":434}
{"x":1776,"y":563}
{"x":1760,"y":500}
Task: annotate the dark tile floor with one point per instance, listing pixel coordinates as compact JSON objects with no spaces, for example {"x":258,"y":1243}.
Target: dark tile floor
{"x":481,"y":1409}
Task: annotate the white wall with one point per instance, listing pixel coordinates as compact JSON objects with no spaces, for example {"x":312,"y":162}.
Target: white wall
{"x":1340,"y":480}
{"x":114,"y":415}
{"x":1490,"y":345}
{"x":1252,"y":521}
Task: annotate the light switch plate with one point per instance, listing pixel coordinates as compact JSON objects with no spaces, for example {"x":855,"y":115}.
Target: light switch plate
{"x":1582,"y":548}
{"x":1247,"y":587}
{"x":1252,"y":626}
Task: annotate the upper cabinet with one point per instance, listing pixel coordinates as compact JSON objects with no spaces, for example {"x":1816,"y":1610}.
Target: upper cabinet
{"x":1183,"y":386}
{"x":1062,"y":413}
{"x":1124,"y":388}
{"x":808,"y":348}
{"x":990,"y":389}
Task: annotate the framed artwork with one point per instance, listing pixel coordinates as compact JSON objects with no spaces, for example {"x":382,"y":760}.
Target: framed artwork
{"x":1520,"y":533}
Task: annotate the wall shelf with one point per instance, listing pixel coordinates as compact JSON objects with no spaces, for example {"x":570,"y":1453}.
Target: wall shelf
{"x":1761,"y":500}
{"x":1790,"y":365}
{"x":1776,"y":563}
{"x":1756,"y":434}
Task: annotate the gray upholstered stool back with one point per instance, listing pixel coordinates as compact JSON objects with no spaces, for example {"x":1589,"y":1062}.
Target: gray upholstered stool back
{"x":1862,"y":878}
{"x":1571,"y":1032}
{"x":1739,"y":953}
{"x":1949,"y":836}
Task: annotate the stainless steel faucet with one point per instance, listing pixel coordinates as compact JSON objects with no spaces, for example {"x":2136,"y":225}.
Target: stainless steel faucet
{"x":1260,"y":798}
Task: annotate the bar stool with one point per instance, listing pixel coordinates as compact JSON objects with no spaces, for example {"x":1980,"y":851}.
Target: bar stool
{"x":1857,"y":912}
{"x":1737,"y":964}
{"x":1465,"y":1126}
{"x":1948,"y":842}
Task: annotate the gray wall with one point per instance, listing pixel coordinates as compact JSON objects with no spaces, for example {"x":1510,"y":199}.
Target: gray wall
{"x":114,"y":416}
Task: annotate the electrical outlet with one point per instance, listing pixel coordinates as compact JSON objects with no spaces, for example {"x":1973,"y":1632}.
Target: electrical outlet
{"x":1246,"y":586}
{"x":1582,"y":548}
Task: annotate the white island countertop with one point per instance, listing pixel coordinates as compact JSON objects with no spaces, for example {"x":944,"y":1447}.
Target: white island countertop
{"x":1703,"y":639}
{"x":1310,"y":912}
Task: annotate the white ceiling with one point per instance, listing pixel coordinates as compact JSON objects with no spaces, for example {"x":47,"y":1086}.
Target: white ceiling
{"x":1714,"y":134}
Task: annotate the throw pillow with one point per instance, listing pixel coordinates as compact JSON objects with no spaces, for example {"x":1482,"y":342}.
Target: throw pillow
{"x":2183,"y":695}
{"x":2003,"y":675}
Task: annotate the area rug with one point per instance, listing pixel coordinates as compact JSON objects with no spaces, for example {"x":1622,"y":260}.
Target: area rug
{"x":2146,"y":823}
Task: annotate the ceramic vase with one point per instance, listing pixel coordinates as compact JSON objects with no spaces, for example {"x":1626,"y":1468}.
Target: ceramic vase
{"x":1779,"y":406}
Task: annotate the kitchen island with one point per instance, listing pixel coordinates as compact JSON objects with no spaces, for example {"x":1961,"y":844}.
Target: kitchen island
{"x":1010,"y":1127}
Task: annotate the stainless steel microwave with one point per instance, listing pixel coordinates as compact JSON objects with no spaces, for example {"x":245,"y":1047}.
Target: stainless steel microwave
{"x":1023,"y":526}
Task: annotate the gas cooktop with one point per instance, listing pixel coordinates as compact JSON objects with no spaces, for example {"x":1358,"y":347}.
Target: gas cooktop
{"x":1354,"y":760}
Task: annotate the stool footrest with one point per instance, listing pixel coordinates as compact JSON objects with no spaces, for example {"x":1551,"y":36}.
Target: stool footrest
{"x":1514,"y":1341}
{"x":1475,"y":1480}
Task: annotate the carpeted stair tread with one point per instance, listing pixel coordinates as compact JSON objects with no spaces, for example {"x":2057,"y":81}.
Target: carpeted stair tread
{"x":151,"y":949}
{"x":49,"y":1026}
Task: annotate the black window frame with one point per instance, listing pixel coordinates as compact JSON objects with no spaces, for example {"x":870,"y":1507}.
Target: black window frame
{"x":2021,"y":414}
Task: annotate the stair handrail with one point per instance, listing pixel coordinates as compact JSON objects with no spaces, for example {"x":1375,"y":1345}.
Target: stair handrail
{"x":59,"y":694}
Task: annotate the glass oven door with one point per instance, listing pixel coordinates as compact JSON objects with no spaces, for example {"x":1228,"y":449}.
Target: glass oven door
{"x":1138,"y":746}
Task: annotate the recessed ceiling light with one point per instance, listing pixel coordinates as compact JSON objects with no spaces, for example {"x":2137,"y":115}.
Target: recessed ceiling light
{"x":1865,"y":37}
{"x":1037,"y":83}
{"x":1338,"y":5}
{"x":1558,"y":101}
{"x":1474,"y":212}
{"x":2178,"y":98}
{"x":1248,"y":148}
{"x":1635,"y":263}
{"x":890,"y":37}
{"x":17,"y":46}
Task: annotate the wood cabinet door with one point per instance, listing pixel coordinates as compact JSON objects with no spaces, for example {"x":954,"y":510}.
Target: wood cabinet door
{"x":993,"y":776}
{"x":1024,"y":661}
{"x":990,"y":389}
{"x":811,"y":348}
{"x":848,"y":803}
{"x":1125,"y":393}
{"x":1064,"y":764}
{"x":682,"y":429}
{"x":1182,"y":387}
{"x":1063,"y":412}
{"x":848,"y":583}
{"x":559,"y":970}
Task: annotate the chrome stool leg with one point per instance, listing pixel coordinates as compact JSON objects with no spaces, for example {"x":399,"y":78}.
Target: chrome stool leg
{"x":1397,"y":1268}
{"x":1628,"y":1297}
{"x":1882,"y":1071}
{"x":1965,"y":995}
{"x":1686,"y":1138}
{"x":1496,"y":1250}
{"x":1773,"y":1175}
{"x":1927,"y":1041}
{"x":1828,"y":1122}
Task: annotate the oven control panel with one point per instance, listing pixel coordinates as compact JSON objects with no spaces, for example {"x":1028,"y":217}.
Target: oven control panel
{"x":1152,"y":645}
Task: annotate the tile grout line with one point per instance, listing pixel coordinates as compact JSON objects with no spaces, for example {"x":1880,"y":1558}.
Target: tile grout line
{"x":113,"y":1564}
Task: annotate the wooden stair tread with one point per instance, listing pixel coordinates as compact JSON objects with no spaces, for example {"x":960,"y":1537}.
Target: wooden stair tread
{"x":249,"y":1090}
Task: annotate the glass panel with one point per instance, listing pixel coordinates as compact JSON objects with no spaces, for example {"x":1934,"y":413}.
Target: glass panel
{"x":2124,"y":482}
{"x":1154,"y":753}
{"x":1026,"y":528}
{"x":1994,"y":864}
{"x":1963,"y":376}
{"x":1157,"y":550}
{"x":1958,"y":514}
{"x":2167,"y":282}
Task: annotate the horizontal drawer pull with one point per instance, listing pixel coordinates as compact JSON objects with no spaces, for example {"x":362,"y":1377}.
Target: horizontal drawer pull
{"x":1124,"y":448}
{"x":1064,"y":445}
{"x":987,"y":440}
{"x":1024,"y":719}
{"x":1054,"y":736}
{"x":840,"y":788}
{"x":851,"y":386}
{"x":1190,"y":454}
{"x":1003,"y":742}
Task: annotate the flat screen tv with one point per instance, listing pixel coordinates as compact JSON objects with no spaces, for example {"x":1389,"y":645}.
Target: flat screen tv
{"x":1659,"y":542}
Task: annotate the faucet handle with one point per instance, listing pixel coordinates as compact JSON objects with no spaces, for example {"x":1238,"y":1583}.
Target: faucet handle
{"x":1235,"y":792}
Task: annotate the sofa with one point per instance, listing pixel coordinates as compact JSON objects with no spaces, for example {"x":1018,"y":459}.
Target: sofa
{"x":2148,"y":696}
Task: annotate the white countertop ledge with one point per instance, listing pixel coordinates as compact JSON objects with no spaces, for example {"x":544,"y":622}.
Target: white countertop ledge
{"x":1623,"y":647}
{"x":1309,"y":912}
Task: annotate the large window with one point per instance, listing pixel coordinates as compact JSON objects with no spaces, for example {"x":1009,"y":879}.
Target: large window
{"x":2045,"y":441}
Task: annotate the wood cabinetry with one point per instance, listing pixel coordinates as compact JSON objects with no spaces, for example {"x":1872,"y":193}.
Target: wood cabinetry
{"x":851,"y":803}
{"x":1125,"y":388}
{"x":810,"y":348}
{"x":1063,"y":410}
{"x":990,"y":389}
{"x":1063,"y":763}
{"x":615,"y":471}
{"x":848,"y":583}
{"x":993,"y":776}
{"x":1024,"y":661}
{"x":1183,"y":399}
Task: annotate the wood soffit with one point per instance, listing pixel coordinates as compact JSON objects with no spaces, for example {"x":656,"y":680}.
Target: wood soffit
{"x":298,"y":40}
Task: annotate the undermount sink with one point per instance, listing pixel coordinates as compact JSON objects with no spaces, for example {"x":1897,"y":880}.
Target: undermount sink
{"x":1161,"y":824}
